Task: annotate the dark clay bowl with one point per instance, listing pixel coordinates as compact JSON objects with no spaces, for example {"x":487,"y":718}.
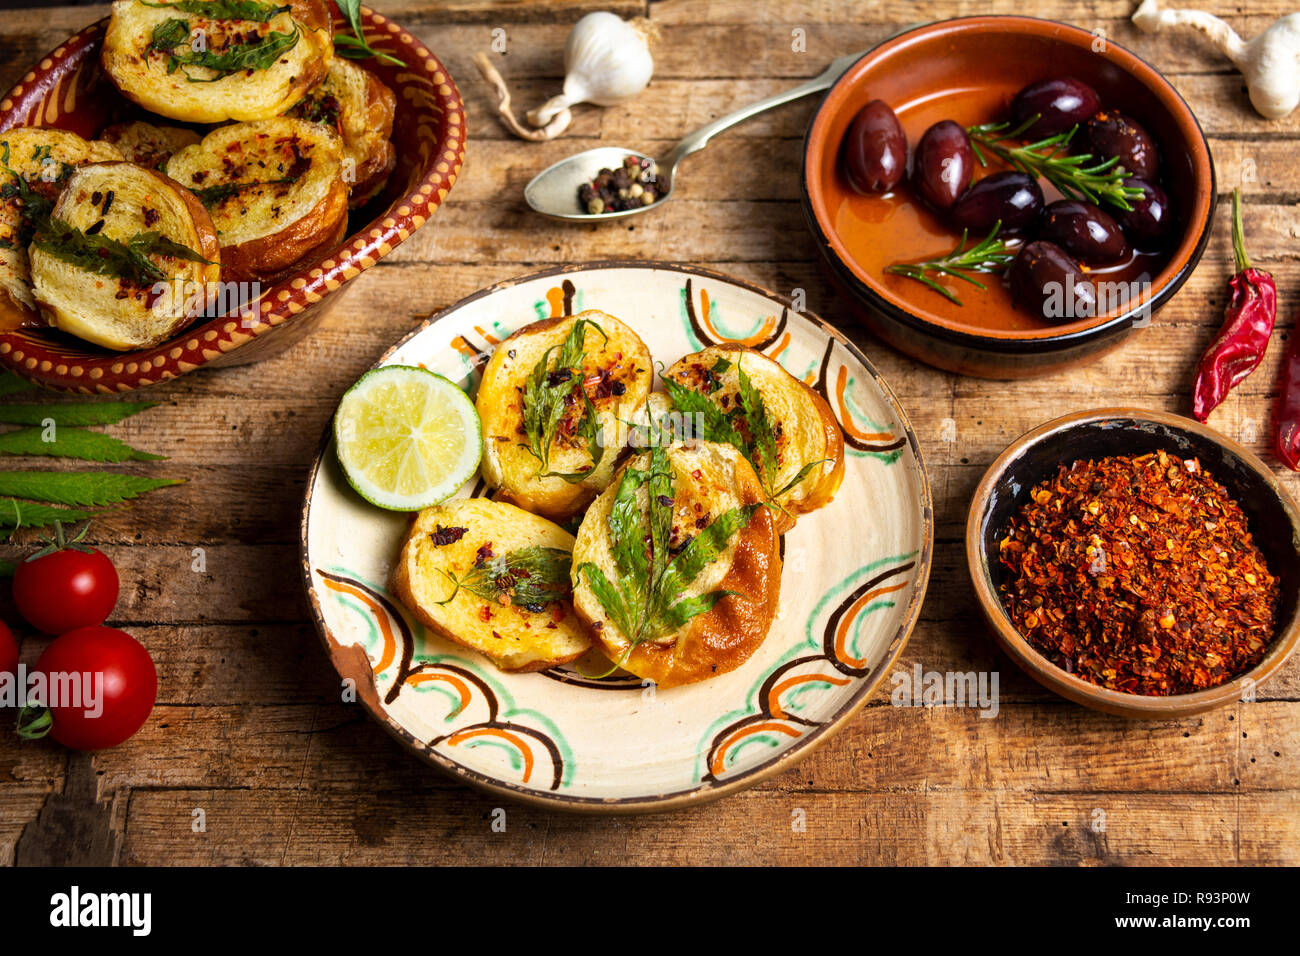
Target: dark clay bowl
{"x":1007,"y":53}
{"x":1035,"y":456}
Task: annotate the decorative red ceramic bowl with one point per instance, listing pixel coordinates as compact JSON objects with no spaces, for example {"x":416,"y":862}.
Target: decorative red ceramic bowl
{"x":67,"y":89}
{"x":968,"y":70}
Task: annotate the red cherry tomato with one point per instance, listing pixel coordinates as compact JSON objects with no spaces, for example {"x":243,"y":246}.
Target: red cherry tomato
{"x":8,"y":651}
{"x":124,"y":674}
{"x":66,"y":589}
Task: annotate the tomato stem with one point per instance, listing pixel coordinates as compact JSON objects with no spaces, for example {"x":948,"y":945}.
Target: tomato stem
{"x":34,"y":722}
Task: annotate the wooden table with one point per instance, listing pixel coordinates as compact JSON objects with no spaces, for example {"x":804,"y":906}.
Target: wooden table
{"x":249,"y":729}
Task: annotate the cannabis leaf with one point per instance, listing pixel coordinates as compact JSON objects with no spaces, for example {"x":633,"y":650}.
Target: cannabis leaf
{"x":549,"y":393}
{"x":357,"y":47}
{"x":71,"y":443}
{"x":225,"y":9}
{"x":71,"y":413}
{"x":747,"y":427}
{"x":259,"y":54}
{"x":646,"y":600}
{"x":530,"y":578}
{"x":87,"y":488}
{"x":97,"y":253}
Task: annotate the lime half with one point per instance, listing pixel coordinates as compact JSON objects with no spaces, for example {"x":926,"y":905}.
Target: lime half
{"x":406,"y":437}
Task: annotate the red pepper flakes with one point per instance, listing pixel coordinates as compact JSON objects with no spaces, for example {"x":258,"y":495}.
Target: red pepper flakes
{"x":1139,"y":575}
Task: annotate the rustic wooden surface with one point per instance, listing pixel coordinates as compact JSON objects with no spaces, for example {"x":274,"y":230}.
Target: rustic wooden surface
{"x":248,"y":726}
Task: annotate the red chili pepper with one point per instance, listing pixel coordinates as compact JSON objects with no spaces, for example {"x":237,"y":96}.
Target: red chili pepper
{"x":1240,"y":345}
{"x":1286,"y":415}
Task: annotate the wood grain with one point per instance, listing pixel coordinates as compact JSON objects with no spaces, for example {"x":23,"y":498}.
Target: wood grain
{"x":250,"y":729}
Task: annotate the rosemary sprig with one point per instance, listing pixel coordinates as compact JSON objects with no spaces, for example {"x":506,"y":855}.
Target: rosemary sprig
{"x":1076,"y":176}
{"x":988,"y":255}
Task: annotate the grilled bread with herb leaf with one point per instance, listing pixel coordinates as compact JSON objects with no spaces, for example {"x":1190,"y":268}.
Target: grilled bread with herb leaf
{"x":677,"y":565}
{"x":118,"y":240}
{"x":35,"y":164}
{"x":355,"y":104}
{"x":548,"y":395}
{"x":785,"y":429}
{"x":210,"y":61}
{"x":275,"y":191}
{"x":495,"y":579}
{"x":147,"y":144}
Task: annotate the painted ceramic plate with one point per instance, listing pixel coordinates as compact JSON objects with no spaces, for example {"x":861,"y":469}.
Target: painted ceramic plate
{"x":855,"y":574}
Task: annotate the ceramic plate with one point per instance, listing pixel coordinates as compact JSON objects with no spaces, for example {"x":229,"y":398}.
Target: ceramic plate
{"x":855,"y":574}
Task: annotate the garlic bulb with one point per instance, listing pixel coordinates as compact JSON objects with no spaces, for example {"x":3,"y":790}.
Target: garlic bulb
{"x":606,"y":61}
{"x":1270,"y":62}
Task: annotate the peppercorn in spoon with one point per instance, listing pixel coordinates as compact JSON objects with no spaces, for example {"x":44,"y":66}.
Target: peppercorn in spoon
{"x":611,"y":182}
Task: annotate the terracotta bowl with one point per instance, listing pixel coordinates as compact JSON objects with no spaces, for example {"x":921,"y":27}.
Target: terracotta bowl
{"x":67,"y":89}
{"x":1035,"y":456}
{"x":974,"y":64}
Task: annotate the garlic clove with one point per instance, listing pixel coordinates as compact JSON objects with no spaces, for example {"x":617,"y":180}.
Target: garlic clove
{"x":607,"y":60}
{"x":1270,"y":63}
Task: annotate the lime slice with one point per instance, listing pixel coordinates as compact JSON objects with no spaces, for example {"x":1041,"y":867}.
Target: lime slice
{"x":406,"y":437}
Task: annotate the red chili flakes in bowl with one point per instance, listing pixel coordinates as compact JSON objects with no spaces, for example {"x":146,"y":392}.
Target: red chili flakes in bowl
{"x":1139,"y":575}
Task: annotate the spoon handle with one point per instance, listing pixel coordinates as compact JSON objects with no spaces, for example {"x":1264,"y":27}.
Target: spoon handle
{"x":700,"y":138}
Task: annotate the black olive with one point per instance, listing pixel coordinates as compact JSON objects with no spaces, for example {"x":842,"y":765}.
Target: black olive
{"x":942,"y":164}
{"x":1084,"y":231}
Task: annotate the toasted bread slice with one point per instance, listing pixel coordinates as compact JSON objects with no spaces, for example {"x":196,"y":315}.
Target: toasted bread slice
{"x":615,"y":373}
{"x":804,"y":429}
{"x":469,"y":541}
{"x":208,"y":68}
{"x":355,"y":104}
{"x":147,"y":144}
{"x":709,"y":480}
{"x":35,"y":164}
{"x":120,"y":238}
{"x":275,"y":191}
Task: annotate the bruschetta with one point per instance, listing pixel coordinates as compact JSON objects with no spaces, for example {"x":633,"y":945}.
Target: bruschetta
{"x":785,"y":429}
{"x":118,"y":240}
{"x":274,"y":189}
{"x":677,"y":565}
{"x":147,"y":144}
{"x":554,"y":400}
{"x":210,"y":61}
{"x":355,"y":104}
{"x":35,"y":164}
{"x":493,"y":578}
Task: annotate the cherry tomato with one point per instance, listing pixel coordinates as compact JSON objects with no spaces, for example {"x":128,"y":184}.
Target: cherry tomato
{"x":71,"y":587}
{"x":8,"y":651}
{"x":123,"y":678}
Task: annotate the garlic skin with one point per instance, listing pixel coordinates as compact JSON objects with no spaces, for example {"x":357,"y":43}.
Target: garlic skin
{"x":606,"y":61}
{"x":1270,"y":62}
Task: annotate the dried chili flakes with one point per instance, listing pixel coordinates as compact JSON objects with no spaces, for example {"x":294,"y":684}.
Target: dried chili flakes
{"x":1139,"y":575}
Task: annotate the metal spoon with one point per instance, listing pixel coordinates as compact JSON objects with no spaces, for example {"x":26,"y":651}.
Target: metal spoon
{"x":554,"y":191}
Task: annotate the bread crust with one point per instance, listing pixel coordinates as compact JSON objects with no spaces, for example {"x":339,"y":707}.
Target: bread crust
{"x":270,"y":230}
{"x":357,"y":105}
{"x":812,"y":434}
{"x":142,"y":74}
{"x":97,"y":310}
{"x":515,"y":639}
{"x":510,"y":468}
{"x":724,"y":637}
